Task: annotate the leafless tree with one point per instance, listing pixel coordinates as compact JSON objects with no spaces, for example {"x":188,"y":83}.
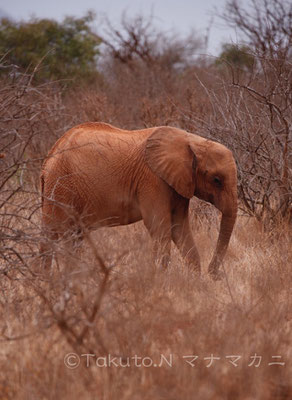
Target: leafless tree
{"x":253,"y":110}
{"x":137,"y":40}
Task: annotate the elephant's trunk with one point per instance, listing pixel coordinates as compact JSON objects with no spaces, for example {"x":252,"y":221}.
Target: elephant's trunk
{"x":226,"y":227}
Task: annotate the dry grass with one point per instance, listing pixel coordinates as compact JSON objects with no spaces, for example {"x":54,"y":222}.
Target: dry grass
{"x":108,"y":298}
{"x":149,"y":313}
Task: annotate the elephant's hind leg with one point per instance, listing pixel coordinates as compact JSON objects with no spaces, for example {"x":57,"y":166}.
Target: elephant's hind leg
{"x":67,"y":244}
{"x":61,"y":230}
{"x":46,"y":251}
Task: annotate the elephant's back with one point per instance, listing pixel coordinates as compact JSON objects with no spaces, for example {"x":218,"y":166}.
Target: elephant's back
{"x":91,"y":153}
{"x":97,"y":134}
{"x":103,"y":133}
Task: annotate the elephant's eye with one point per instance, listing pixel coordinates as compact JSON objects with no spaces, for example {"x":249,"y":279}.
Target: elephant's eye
{"x":217,"y":181}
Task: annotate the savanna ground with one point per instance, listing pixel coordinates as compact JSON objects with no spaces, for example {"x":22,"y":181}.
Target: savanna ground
{"x":163,"y":317}
{"x":105,"y":323}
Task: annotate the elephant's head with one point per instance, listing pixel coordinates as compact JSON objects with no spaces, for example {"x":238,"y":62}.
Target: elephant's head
{"x":195,"y":166}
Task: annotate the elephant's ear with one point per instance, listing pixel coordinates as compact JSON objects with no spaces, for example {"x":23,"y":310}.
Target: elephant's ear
{"x":169,"y":156}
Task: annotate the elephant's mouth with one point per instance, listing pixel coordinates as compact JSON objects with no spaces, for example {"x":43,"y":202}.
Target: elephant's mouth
{"x":211,"y":199}
{"x":205,"y":196}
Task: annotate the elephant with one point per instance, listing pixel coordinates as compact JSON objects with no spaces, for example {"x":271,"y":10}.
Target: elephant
{"x":99,"y":175}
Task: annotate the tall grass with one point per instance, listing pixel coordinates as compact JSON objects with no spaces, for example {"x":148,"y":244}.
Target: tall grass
{"x":167,"y":316}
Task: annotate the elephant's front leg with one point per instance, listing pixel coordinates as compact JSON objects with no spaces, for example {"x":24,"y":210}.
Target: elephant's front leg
{"x":182,"y":235}
{"x":160,"y":232}
{"x":157,"y":220}
{"x":161,"y":249}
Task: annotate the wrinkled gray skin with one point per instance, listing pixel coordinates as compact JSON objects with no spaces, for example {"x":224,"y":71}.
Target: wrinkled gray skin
{"x":98,"y":175}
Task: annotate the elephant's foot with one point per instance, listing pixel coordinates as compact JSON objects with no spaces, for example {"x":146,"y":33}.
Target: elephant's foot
{"x":162,"y":262}
{"x":197,"y":275}
{"x":217,"y":275}
{"x":196,"y":269}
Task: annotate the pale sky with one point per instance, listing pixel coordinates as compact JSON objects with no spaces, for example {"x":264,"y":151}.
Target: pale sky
{"x":179,"y":15}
